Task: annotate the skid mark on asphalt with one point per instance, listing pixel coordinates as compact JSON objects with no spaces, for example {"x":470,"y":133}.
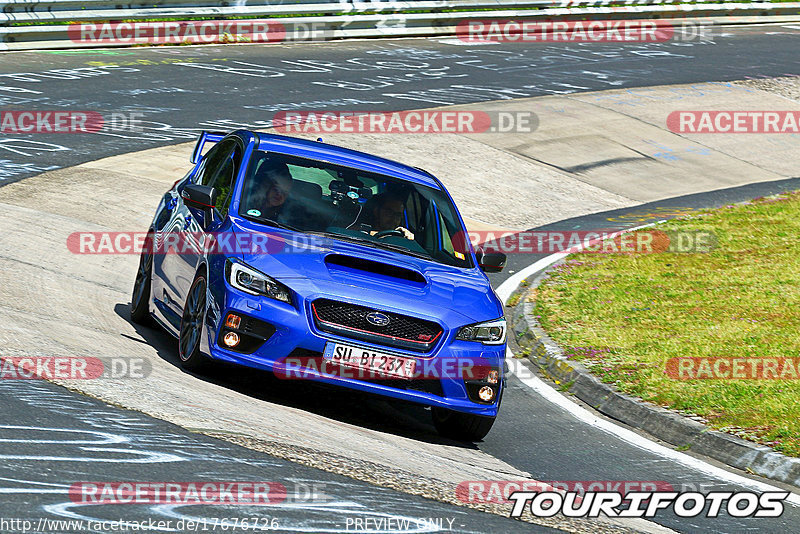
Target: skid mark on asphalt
{"x":61,"y":453}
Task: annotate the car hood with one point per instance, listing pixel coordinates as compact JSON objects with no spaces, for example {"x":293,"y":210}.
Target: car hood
{"x":316,"y":266}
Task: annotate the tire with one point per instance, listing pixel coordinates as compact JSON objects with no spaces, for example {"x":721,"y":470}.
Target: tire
{"x":461,"y":426}
{"x":192,"y":323}
{"x":140,"y":298}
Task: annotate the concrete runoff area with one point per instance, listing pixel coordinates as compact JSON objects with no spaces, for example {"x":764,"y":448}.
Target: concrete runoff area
{"x":618,"y":141}
{"x":577,"y":162}
{"x":593,"y":152}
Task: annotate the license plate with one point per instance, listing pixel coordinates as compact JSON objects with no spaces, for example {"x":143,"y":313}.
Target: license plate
{"x":379,"y":363}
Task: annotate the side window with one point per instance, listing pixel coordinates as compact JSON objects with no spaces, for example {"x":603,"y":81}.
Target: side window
{"x":212,"y":162}
{"x":445,"y":239}
{"x":225,"y":180}
{"x":448,"y":231}
{"x":221,"y":166}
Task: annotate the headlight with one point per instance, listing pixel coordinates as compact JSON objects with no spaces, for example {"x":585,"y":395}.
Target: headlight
{"x":489,"y":333}
{"x":249,"y":280}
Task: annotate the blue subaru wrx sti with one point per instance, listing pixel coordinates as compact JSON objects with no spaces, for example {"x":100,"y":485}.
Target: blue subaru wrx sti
{"x":319,"y":262}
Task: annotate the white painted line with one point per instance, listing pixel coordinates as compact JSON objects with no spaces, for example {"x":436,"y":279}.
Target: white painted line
{"x":138,"y":457}
{"x":512,"y":282}
{"x":508,"y":287}
{"x":460,"y":42}
{"x":585,"y":416}
{"x":105,"y":438}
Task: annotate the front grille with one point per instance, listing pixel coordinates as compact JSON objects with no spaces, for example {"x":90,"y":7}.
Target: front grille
{"x":351,"y":320}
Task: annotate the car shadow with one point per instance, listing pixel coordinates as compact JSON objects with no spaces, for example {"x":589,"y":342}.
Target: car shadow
{"x":341,"y":404}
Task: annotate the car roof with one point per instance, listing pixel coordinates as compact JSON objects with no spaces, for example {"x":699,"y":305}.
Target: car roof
{"x":316,"y":150}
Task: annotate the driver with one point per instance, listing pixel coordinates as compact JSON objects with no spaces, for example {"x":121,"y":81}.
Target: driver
{"x":387,"y":214}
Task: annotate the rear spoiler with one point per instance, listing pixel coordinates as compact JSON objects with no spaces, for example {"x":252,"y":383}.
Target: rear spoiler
{"x":205,"y":136}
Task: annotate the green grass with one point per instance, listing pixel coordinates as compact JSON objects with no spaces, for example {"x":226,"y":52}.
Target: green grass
{"x":625,"y":315}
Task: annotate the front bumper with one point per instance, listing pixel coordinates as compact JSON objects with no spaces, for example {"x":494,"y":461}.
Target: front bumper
{"x":442,"y":384}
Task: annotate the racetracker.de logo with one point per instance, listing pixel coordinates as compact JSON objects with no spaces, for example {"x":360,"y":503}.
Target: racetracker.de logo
{"x":720,"y":368}
{"x":184,"y":493}
{"x":368,"y":365}
{"x":734,"y":122}
{"x":189,"y":243}
{"x":405,"y":122}
{"x":597,"y":242}
{"x":536,"y":242}
{"x":197,"y":32}
{"x":580,"y":31}
{"x":72,"y":368}
{"x":44,"y":121}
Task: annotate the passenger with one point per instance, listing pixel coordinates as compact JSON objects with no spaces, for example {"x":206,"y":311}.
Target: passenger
{"x":274,"y":183}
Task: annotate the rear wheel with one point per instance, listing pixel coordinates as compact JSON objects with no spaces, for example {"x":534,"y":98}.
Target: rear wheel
{"x":461,"y":426}
{"x":140,"y":299}
{"x":194,"y":313}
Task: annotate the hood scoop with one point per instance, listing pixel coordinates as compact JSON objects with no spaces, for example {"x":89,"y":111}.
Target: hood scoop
{"x":353,"y":265}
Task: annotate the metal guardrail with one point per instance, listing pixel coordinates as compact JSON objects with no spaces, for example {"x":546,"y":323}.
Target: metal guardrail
{"x":21,"y":11}
{"x":41,"y":24}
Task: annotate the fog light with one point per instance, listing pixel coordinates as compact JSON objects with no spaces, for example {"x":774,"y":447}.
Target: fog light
{"x":494,"y":377}
{"x":486,"y":393}
{"x":233,"y":321}
{"x":231,"y":339}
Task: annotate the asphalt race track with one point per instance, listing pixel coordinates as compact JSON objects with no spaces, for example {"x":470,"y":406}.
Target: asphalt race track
{"x":103,"y":442}
{"x":181,"y":90}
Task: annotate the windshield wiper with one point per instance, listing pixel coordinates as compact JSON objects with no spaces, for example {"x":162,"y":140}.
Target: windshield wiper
{"x":376,"y":244}
{"x":271,"y":222}
{"x":401,"y":248}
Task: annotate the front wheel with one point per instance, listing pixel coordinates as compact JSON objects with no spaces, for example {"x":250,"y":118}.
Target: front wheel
{"x":140,"y":299}
{"x":461,"y":426}
{"x":194,"y":313}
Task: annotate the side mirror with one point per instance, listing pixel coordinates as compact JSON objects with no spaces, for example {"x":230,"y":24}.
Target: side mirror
{"x":200,"y":197}
{"x":491,"y":262}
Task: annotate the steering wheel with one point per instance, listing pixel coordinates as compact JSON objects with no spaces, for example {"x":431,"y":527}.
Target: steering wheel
{"x":387,"y":233}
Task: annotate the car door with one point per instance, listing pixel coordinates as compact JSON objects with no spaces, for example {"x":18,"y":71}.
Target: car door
{"x":179,"y":266}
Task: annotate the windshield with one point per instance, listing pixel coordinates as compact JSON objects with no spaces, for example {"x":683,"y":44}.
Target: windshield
{"x":353,"y":205}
